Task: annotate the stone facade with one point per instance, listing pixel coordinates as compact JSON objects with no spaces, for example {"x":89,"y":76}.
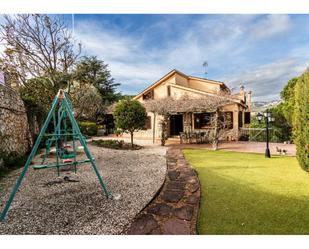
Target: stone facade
{"x":14,"y":129}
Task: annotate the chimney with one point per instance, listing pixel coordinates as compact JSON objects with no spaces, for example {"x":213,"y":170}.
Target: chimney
{"x":242,"y":93}
{"x":249,"y":101}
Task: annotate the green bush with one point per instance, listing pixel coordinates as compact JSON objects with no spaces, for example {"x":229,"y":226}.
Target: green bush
{"x":115,"y":144}
{"x":11,"y":161}
{"x":88,"y":128}
{"x":301,"y":120}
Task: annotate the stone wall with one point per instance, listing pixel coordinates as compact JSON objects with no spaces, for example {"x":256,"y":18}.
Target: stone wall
{"x":14,"y":129}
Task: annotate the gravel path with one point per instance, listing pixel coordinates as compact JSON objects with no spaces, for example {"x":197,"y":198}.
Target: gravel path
{"x":47,"y":204}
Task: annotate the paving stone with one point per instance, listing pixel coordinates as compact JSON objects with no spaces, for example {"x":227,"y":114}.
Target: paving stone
{"x":192,"y":180}
{"x":184,"y":213}
{"x":144,"y":224}
{"x":173,"y":175}
{"x":160,"y":209}
{"x":187,"y":173}
{"x":193,"y":187}
{"x":156,"y":231}
{"x":192,"y":199}
{"x":177,"y":185}
{"x":175,"y":226}
{"x":172,"y":195}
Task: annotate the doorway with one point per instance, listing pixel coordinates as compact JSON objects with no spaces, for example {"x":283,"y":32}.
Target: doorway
{"x":176,"y":125}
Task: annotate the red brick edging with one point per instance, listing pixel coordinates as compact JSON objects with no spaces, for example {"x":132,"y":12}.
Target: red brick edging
{"x":175,"y":208}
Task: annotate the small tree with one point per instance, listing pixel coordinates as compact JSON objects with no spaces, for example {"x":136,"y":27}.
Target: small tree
{"x":301,"y":120}
{"x":130,"y":116}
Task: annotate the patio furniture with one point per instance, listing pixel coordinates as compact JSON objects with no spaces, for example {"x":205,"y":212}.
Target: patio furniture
{"x":197,"y":137}
{"x":183,"y":137}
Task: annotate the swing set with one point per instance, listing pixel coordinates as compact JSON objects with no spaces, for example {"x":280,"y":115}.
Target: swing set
{"x":66,"y":153}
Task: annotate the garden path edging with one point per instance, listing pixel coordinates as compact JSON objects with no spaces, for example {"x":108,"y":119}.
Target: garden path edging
{"x":174,"y":210}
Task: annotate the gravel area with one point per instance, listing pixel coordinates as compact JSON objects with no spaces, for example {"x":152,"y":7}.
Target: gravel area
{"x":46,"y":204}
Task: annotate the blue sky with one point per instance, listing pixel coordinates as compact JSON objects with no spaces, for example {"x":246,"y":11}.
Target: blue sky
{"x":261,"y":52}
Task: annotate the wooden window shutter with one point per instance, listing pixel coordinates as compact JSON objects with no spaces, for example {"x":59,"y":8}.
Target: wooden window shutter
{"x":240,"y":119}
{"x":247,"y":118}
{"x":168,"y":91}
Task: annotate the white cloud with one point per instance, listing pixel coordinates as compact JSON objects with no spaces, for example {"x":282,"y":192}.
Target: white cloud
{"x":271,"y":25}
{"x":266,"y":81}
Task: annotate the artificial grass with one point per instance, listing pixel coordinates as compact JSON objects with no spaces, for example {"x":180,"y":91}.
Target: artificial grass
{"x":246,"y":193}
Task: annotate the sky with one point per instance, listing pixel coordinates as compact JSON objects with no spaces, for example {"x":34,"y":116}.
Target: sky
{"x":261,"y":52}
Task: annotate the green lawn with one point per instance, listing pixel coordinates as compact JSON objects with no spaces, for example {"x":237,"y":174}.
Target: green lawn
{"x":245,"y":193}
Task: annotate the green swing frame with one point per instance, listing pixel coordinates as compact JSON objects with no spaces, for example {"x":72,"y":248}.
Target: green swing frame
{"x":62,"y":102}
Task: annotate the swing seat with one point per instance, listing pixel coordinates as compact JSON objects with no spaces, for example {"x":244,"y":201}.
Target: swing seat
{"x":67,"y":161}
{"x":67,"y":156}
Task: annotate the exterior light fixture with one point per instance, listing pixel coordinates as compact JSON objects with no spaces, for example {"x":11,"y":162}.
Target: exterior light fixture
{"x":268,"y":119}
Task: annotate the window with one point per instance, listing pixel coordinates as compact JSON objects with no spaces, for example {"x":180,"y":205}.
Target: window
{"x":168,"y":91}
{"x":148,"y":123}
{"x":202,"y":120}
{"x":239,"y":119}
{"x":148,"y":95}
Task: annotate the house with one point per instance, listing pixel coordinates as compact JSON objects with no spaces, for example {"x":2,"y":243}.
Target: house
{"x":176,"y":84}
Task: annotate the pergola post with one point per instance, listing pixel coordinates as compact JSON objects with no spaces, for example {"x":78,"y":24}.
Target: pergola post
{"x":154,"y":128}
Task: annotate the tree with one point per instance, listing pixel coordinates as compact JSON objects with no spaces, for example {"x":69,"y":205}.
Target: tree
{"x":37,"y":96}
{"x":87,"y":101}
{"x":301,"y":120}
{"x":280,"y":129}
{"x":288,"y":100}
{"x":91,"y":70}
{"x":38,"y":46}
{"x":130,"y":116}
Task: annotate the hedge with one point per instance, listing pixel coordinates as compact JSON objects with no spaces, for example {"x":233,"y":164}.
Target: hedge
{"x":301,"y":120}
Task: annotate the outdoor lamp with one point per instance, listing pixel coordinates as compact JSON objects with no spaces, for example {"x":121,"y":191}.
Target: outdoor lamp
{"x":259,"y":117}
{"x":268,"y":119}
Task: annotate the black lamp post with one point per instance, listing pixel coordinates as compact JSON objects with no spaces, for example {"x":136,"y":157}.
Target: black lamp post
{"x":268,"y":119}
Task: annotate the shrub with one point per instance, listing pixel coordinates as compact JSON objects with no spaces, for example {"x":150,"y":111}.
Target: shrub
{"x":11,"y":161}
{"x":88,"y":128}
{"x":115,"y":144}
{"x":301,"y":120}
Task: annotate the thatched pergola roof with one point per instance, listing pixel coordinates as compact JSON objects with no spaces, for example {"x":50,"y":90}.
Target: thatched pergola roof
{"x":186,"y":104}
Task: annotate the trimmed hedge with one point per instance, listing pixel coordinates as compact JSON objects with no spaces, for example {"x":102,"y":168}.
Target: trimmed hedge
{"x":88,"y":128}
{"x":301,"y":120}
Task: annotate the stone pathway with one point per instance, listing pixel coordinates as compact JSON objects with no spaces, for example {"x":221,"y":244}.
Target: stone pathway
{"x":175,"y":209}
